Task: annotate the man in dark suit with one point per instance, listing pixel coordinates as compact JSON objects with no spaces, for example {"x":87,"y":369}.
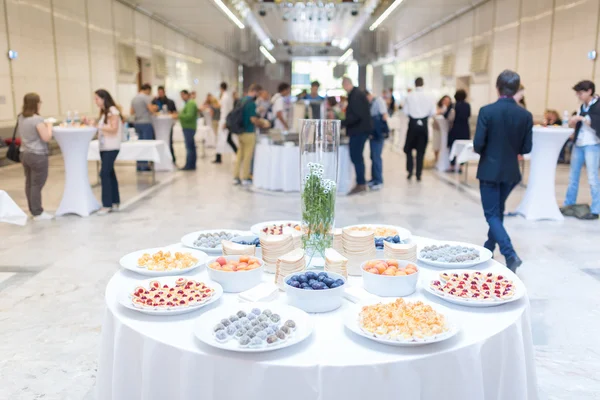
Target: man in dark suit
{"x":358,"y":126}
{"x":504,"y":130}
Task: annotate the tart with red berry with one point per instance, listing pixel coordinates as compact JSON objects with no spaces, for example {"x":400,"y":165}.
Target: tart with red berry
{"x":184,"y":293}
{"x":475,"y":286}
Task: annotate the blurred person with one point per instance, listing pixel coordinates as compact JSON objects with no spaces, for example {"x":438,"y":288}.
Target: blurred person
{"x":504,"y":131}
{"x":251,"y":119}
{"x":302,"y":95}
{"x":586,"y":149}
{"x":460,"y":129}
{"x":193,"y":95}
{"x":315,"y":100}
{"x":444,"y":108}
{"x":163,"y":103}
{"x":388,"y":96}
{"x":281,"y":107}
{"x":142,"y":109}
{"x":334,"y":110}
{"x":223,"y":135}
{"x":263,"y":103}
{"x":110,"y":131}
{"x":358,"y":126}
{"x":35,"y":135}
{"x":236,"y":99}
{"x":520,"y":97}
{"x":418,"y":106}
{"x":551,"y":117}
{"x":188,"y":118}
{"x":211,"y":108}
{"x":380,"y":132}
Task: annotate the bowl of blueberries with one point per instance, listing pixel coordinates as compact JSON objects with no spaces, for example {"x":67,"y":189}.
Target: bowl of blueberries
{"x":392,"y":239}
{"x":315,"y":292}
{"x":251,"y":240}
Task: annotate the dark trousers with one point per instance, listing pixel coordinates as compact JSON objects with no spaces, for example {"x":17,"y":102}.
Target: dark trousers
{"x":231,"y":142}
{"x":36,"y":174}
{"x":357,"y":147}
{"x":376,"y":146}
{"x":171,"y":145}
{"x":416,"y":139}
{"x":493,"y":198}
{"x":144,"y":132}
{"x":108,"y":177}
{"x":190,"y":148}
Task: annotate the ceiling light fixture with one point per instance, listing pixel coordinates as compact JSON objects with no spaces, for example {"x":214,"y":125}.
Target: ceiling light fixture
{"x":228,"y":12}
{"x":385,"y":14}
{"x":345,"y":56}
{"x":267,"y":55}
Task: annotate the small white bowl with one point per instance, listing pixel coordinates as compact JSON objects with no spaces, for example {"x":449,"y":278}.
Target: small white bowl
{"x":390,"y":286}
{"x":235,"y":281}
{"x":249,"y":238}
{"x":316,"y":301}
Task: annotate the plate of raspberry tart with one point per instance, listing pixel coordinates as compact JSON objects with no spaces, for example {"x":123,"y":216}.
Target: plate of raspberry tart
{"x":170,"y":295}
{"x":475,"y":288}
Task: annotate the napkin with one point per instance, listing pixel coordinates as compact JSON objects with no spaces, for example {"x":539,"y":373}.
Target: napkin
{"x":10,"y":211}
{"x":265,"y":291}
{"x":359,"y":295}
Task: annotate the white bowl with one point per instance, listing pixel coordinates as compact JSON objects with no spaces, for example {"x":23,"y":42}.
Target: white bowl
{"x":390,"y":286}
{"x":316,"y":301}
{"x":249,"y":238}
{"x":235,"y":281}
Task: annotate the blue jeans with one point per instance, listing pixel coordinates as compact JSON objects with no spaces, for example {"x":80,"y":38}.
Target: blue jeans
{"x":493,"y":198}
{"x":190,"y":147}
{"x":376,"y":146}
{"x":357,"y":147}
{"x":108,"y":177}
{"x":144,"y":132}
{"x":590,"y":155}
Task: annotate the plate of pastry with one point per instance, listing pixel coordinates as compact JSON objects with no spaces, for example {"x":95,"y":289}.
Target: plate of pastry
{"x":401,"y":323}
{"x":164,"y":261}
{"x":253,"y":327}
{"x":209,"y":241}
{"x":275,"y":227}
{"x":389,"y":233}
{"x":475,"y":288}
{"x":453,"y":255}
{"x":170,"y":295}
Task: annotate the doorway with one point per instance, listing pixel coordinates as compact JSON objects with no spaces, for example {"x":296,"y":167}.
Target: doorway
{"x":144,"y":72}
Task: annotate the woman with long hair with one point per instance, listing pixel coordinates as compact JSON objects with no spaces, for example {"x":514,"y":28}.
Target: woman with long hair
{"x":110,"y":126}
{"x":35,"y":135}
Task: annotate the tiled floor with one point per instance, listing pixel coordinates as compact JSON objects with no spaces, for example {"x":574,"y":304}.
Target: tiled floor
{"x":51,"y":308}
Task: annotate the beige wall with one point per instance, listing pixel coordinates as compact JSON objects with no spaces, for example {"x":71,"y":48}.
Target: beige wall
{"x":546,"y":41}
{"x":67,"y":49}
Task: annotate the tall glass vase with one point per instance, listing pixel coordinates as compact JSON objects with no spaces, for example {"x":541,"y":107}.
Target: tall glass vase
{"x":319,"y":142}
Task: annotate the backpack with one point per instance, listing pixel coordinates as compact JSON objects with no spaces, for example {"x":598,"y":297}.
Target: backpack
{"x":234,"y":122}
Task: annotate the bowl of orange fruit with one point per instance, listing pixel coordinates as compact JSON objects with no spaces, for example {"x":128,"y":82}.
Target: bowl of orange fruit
{"x":236,"y":273}
{"x":390,"y":278}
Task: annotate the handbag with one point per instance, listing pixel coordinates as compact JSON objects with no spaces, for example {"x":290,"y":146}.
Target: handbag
{"x":14,"y":151}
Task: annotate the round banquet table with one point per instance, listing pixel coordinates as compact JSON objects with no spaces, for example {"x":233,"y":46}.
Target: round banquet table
{"x":540,"y":197}
{"x":78,"y":197}
{"x":157,"y":358}
{"x":163,"y":124}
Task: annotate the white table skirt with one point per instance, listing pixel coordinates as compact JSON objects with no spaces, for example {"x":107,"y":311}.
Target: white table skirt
{"x":157,"y":358}
{"x":463,"y":151}
{"x":443,"y":163}
{"x":156,"y":151}
{"x":162,"y":127}
{"x":77,"y":197}
{"x":540,"y":197}
{"x":10,"y":212}
{"x":277,"y":168}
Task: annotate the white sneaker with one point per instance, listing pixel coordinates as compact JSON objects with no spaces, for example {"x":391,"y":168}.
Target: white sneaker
{"x":115,"y":207}
{"x":44,"y":216}
{"x":246,"y":182}
{"x":103,"y":211}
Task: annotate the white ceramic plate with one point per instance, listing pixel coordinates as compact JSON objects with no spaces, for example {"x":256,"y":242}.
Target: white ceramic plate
{"x":519,"y":292}
{"x":256,"y":229}
{"x":130,"y":261}
{"x":125,"y":297}
{"x":189,"y":239}
{"x":351,"y":322}
{"x":203,"y":328}
{"x":405,"y":235}
{"x":484,"y":255}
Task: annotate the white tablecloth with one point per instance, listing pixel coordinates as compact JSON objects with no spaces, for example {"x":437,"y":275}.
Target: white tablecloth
{"x":163,"y":124}
{"x":540,"y":197}
{"x":158,"y":358}
{"x":156,"y":151}
{"x":443,"y":163}
{"x":278,"y":168}
{"x":10,"y":211}
{"x":463,"y":151}
{"x":77,"y":197}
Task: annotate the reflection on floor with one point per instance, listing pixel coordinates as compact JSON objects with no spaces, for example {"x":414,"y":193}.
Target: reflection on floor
{"x":53,"y":274}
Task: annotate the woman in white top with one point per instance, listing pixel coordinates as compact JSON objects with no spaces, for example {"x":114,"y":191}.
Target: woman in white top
{"x":110,"y":125}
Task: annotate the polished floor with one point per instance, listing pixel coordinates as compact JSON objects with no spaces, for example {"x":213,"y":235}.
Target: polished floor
{"x":53,"y":274}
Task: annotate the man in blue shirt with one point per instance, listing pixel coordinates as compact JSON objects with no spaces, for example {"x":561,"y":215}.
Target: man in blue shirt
{"x":315,"y":101}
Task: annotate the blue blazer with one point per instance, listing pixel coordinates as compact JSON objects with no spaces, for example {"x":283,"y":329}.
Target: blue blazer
{"x":504,"y":130}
